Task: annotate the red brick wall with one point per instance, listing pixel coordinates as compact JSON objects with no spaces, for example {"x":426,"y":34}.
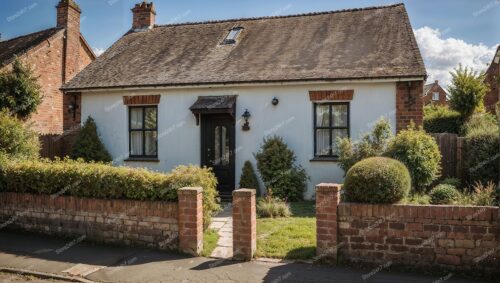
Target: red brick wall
{"x":493,"y":96}
{"x":150,"y":224}
{"x":409,"y":104}
{"x":427,"y":99}
{"x":191,"y":220}
{"x":244,"y":224}
{"x":56,"y":61}
{"x":452,"y":237}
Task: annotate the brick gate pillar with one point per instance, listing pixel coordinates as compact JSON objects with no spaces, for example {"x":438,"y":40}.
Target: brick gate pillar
{"x":244,"y":224}
{"x":190,"y":220}
{"x":327,"y":200}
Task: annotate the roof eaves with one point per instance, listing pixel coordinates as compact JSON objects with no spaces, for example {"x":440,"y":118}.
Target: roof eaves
{"x":75,"y":89}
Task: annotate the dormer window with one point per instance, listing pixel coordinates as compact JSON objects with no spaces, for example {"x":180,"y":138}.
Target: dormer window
{"x":232,"y":35}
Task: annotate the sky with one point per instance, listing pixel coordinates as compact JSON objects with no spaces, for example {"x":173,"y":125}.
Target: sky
{"x":448,"y":32}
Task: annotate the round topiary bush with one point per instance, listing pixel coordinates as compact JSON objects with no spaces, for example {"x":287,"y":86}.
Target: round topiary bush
{"x":444,"y":194}
{"x":377,"y":180}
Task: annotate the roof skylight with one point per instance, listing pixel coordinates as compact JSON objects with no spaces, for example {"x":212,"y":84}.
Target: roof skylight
{"x":232,"y":35}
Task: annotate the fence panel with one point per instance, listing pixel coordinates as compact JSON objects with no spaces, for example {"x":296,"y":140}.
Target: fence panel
{"x":452,"y":148}
{"x":51,"y":146}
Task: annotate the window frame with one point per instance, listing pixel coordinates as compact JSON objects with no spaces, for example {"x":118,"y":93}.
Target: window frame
{"x":433,"y":96}
{"x":143,"y":130}
{"x":237,"y":31}
{"x":330,"y":156}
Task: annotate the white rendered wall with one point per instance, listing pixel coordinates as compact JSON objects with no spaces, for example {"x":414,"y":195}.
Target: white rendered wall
{"x":292,"y":119}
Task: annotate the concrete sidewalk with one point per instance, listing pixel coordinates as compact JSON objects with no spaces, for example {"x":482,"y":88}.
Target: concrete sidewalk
{"x":118,"y":264}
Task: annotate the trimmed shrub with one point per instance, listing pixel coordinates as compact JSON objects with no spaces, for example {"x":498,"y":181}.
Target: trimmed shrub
{"x":248,"y":178}
{"x":441,"y":119}
{"x":16,"y":139}
{"x":98,"y":180}
{"x":88,"y":145}
{"x":444,"y":194}
{"x":275,"y":162}
{"x":377,"y":180}
{"x":420,"y":153}
{"x":372,"y":144}
{"x":272,"y":207}
{"x":482,"y":157}
{"x":467,"y":91}
{"x":455,"y":182}
{"x":20,"y":91}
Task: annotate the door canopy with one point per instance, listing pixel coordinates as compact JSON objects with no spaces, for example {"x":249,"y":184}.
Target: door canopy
{"x":221,"y":104}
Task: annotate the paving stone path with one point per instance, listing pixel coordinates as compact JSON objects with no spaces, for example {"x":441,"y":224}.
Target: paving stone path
{"x":223,"y":224}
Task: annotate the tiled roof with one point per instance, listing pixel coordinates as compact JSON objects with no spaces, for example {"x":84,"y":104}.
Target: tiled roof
{"x":375,"y":42}
{"x":19,"y":45}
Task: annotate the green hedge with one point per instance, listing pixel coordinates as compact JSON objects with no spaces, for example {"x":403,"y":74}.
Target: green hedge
{"x":441,"y":119}
{"x":482,"y":157}
{"x":97,"y":180}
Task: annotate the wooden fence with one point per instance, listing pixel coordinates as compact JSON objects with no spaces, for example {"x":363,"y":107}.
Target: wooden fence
{"x":453,"y":149}
{"x":52,"y":146}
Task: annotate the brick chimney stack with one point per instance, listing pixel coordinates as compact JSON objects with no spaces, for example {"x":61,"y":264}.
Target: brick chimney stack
{"x":144,"y":16}
{"x":68,"y":17}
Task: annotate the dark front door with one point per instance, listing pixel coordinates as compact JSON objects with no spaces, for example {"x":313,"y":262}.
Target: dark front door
{"x":217,"y":149}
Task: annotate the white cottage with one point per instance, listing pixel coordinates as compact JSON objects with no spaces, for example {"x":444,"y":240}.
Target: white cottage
{"x":207,"y":93}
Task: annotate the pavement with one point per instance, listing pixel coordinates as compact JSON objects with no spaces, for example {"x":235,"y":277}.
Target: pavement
{"x":223,"y":224}
{"x":103,"y":263}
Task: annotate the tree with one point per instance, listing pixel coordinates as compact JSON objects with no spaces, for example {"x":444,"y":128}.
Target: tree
{"x":275,"y":162}
{"x":20,"y":92}
{"x":248,"y":178}
{"x":467,"y":91}
{"x":88,"y":145}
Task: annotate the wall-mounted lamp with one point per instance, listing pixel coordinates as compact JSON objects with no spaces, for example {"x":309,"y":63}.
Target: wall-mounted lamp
{"x":246,"y":115}
{"x":275,"y":101}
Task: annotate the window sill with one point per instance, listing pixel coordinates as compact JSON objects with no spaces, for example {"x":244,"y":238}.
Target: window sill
{"x":142,"y":159}
{"x":324,"y":159}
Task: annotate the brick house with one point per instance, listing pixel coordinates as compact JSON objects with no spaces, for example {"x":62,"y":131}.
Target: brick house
{"x":492,"y":79}
{"x":207,"y":93}
{"x":434,"y":94}
{"x":56,"y":55}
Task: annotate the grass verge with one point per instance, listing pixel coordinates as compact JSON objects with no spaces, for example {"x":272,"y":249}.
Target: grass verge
{"x":289,"y":238}
{"x":210,"y":238}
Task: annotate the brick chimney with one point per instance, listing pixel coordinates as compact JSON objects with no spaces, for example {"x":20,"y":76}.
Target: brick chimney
{"x":68,"y":17}
{"x":144,"y":16}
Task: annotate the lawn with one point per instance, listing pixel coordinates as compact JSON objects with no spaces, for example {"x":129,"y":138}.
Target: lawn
{"x":290,"y":238}
{"x":210,"y":238}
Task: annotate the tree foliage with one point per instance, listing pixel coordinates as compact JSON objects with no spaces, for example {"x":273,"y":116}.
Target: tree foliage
{"x":20,"y":92}
{"x":17,"y":141}
{"x":372,"y":144}
{"x":467,"y":91}
{"x":88,"y":145}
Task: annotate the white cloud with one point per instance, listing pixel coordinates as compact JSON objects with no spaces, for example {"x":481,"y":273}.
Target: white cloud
{"x":442,"y":54}
{"x":98,"y":51}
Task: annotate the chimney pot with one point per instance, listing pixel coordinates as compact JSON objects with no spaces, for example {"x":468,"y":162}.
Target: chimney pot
{"x":436,"y":81}
{"x":144,"y":16}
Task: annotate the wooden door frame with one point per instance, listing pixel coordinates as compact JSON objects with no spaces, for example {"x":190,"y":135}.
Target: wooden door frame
{"x":204,"y":133}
